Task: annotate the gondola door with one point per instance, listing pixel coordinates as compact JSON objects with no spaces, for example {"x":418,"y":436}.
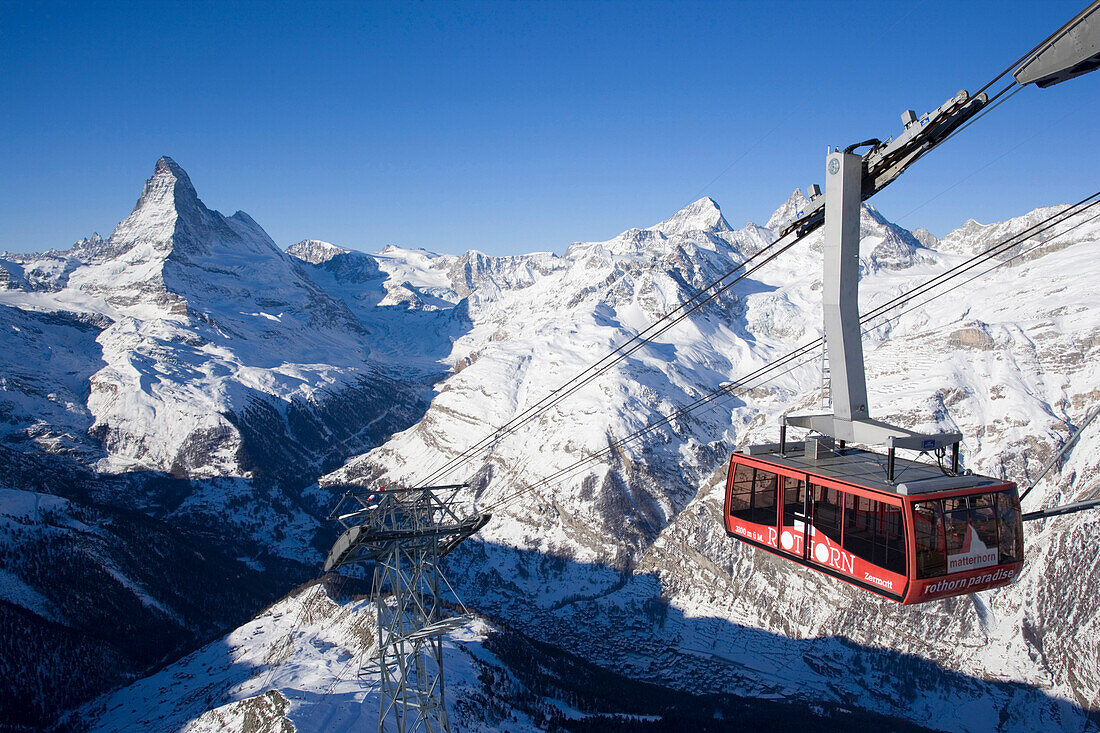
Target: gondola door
{"x":794,"y":531}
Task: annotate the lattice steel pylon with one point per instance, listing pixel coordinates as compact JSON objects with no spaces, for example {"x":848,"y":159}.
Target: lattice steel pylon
{"x":405,"y":533}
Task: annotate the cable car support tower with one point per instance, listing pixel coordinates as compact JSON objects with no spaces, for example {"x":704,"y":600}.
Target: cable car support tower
{"x":405,"y":533}
{"x":850,"y":179}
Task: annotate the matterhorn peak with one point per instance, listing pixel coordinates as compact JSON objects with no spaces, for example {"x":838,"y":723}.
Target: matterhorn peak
{"x":170,"y":220}
{"x":166,"y":198}
{"x":170,"y":186}
{"x":167,"y":166}
{"x":702,"y":215}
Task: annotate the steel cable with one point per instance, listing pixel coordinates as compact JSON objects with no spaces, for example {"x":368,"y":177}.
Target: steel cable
{"x":599,"y":368}
{"x":588,"y":374}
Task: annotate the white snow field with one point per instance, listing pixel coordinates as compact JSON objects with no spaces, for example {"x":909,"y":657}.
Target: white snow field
{"x":625,"y":559}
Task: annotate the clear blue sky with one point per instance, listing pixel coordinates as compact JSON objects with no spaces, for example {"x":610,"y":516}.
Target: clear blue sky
{"x":514,"y":127}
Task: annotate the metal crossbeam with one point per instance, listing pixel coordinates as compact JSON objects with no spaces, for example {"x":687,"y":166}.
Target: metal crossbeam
{"x":1077,"y":506}
{"x":1073,"y":50}
{"x":405,"y":533}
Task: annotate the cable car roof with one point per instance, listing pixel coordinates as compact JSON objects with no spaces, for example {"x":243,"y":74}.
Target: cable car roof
{"x":868,"y":469}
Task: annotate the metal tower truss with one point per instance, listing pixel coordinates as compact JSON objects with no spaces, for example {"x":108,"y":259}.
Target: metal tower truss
{"x":405,"y":533}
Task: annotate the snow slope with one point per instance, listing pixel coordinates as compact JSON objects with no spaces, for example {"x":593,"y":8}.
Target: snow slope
{"x":1009,"y":360}
{"x":300,"y":665}
{"x":188,"y":345}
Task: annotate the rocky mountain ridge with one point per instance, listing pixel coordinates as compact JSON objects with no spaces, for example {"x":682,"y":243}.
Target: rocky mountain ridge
{"x":201,"y":377}
{"x":185,"y":378}
{"x":627,"y":559}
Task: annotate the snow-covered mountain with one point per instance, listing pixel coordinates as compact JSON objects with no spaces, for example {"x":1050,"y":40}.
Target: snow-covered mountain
{"x":187,"y":348}
{"x":212,"y":336}
{"x":190,"y":373}
{"x":628,"y":559}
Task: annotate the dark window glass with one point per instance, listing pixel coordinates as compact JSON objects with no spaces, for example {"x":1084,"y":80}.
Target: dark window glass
{"x":956,"y":522}
{"x":890,"y":540}
{"x":931,"y":559}
{"x":754,"y":495}
{"x":859,"y":526}
{"x":765,"y":492}
{"x":1009,"y":526}
{"x":794,"y":496}
{"x":741,"y":492}
{"x":983,"y":517}
{"x":827,"y":512}
{"x":873,"y":532}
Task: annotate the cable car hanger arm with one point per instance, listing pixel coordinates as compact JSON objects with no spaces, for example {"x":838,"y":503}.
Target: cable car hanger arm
{"x":887,"y":160}
{"x":854,"y":178}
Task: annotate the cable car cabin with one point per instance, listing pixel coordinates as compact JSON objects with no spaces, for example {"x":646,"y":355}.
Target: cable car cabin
{"x":925,"y":537}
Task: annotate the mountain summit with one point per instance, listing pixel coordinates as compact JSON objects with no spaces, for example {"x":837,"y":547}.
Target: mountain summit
{"x":169,"y":180}
{"x":314,"y":251}
{"x":209,"y":299}
{"x":703,"y":215}
{"x":167,"y":200}
{"x":789,"y":210}
{"x":155,"y":254}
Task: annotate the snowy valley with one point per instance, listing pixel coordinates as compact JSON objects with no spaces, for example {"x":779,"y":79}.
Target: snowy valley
{"x":181,"y":402}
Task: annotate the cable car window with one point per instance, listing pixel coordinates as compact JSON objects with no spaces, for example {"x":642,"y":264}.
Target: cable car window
{"x":859,"y":526}
{"x":741,"y":492}
{"x":765,"y":489}
{"x":872,"y":531}
{"x":1008,"y":521}
{"x":931,"y":559}
{"x":956,"y":521}
{"x":983,"y":517}
{"x":827,"y":512}
{"x":890,"y":540}
{"x":794,"y":500}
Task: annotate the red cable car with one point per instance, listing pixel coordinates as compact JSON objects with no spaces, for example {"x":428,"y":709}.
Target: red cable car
{"x":908,"y":531}
{"x":924,"y":537}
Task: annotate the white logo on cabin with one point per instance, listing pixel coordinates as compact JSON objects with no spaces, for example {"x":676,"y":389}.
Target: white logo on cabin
{"x":791,"y":537}
{"x":826,"y":552}
{"x":974,"y":554}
